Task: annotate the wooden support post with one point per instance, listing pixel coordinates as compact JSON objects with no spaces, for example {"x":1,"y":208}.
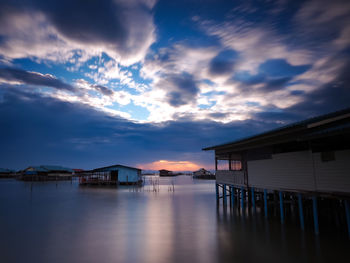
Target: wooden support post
{"x":224,"y":194}
{"x":242,"y":198}
{"x":217,"y":192}
{"x":233,"y":196}
{"x":216,"y":164}
{"x":253,"y":198}
{"x":347,"y":214}
{"x":301,"y":212}
{"x":314,"y":208}
{"x":265,"y":202}
{"x":281,"y":207}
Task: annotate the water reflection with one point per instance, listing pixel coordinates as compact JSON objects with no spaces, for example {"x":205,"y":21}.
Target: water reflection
{"x":42,"y":223}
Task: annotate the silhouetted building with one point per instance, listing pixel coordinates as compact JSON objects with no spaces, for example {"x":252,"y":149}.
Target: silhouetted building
{"x":311,"y":155}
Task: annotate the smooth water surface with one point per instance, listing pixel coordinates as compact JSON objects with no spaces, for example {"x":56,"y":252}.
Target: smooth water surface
{"x":63,"y":222}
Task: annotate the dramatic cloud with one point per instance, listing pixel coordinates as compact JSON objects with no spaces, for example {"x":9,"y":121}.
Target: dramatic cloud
{"x":78,"y":136}
{"x":223,"y":63}
{"x":132,"y":80}
{"x":76,"y":30}
{"x":32,"y":78}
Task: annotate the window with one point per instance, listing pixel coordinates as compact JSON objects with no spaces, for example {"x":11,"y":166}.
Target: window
{"x":236,"y":165}
{"x":327,"y":156}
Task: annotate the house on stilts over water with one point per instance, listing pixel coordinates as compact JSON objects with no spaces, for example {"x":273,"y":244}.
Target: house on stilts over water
{"x":112,"y":175}
{"x":306,"y":164}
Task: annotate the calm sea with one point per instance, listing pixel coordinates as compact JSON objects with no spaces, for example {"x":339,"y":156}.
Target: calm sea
{"x":169,"y":220}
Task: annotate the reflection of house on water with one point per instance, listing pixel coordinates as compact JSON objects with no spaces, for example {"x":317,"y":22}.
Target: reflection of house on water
{"x":303,"y":166}
{"x":112,"y":175}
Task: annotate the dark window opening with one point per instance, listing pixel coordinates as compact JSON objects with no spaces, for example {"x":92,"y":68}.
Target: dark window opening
{"x":327,"y":156}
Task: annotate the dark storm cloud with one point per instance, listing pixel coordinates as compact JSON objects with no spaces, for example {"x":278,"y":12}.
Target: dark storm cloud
{"x":87,"y":21}
{"x":223,"y":63}
{"x":281,"y":68}
{"x":33,"y":78}
{"x":47,"y":130}
{"x":328,"y":98}
{"x":123,"y":29}
{"x":273,"y":75}
{"x":182,"y":89}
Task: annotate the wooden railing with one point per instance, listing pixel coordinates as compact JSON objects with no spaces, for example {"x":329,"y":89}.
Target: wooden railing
{"x":230,"y":177}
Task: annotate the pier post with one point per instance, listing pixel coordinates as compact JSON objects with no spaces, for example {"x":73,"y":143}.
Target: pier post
{"x":217,"y":192}
{"x":224,"y":194}
{"x":301,"y":213}
{"x":281,"y":207}
{"x":233,"y":196}
{"x":253,"y":198}
{"x":314,"y":208}
{"x":347,"y":214}
{"x":265,"y":202}
{"x":242,"y":198}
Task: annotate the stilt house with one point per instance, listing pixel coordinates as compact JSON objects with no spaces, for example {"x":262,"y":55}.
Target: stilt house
{"x":308,"y":156}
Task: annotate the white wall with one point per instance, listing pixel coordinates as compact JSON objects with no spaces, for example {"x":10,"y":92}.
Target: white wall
{"x":333,"y":176}
{"x":301,"y":171}
{"x":286,"y":170}
{"x":127,"y":175}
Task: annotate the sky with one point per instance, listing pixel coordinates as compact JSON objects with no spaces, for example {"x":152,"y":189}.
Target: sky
{"x":149,"y":83}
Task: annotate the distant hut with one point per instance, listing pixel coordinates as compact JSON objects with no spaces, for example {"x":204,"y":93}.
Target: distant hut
{"x":46,"y":172}
{"x":78,"y":172}
{"x":203,"y":174}
{"x":164,"y":172}
{"x":120,"y":174}
{"x":6,"y":173}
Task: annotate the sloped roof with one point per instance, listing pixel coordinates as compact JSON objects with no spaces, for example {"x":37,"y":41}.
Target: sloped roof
{"x":5,"y":170}
{"x":116,"y":166}
{"x":56,"y":168}
{"x":48,"y":168}
{"x":318,"y":124}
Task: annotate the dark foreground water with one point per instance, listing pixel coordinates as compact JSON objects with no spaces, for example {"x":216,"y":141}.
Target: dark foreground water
{"x":45,"y":222}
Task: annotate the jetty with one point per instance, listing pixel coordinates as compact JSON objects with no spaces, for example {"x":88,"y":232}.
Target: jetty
{"x":303,"y":166}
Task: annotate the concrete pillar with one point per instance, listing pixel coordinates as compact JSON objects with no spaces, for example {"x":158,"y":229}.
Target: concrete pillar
{"x":224,"y":194}
{"x":242,"y":198}
{"x":281,"y":207}
{"x":265,"y":202}
{"x":253,"y":198}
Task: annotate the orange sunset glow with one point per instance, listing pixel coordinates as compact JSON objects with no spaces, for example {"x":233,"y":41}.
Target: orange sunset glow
{"x":171,"y":165}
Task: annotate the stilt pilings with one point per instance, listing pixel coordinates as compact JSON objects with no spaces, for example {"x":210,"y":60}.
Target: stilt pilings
{"x":281,"y":207}
{"x":265,"y":202}
{"x":311,"y":208}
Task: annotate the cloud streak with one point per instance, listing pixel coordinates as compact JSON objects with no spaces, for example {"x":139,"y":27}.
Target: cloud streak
{"x":33,"y":78}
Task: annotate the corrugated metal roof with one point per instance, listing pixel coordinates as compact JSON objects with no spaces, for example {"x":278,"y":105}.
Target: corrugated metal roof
{"x":49,"y":168}
{"x":56,"y":168}
{"x":116,"y":166}
{"x":37,"y":168}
